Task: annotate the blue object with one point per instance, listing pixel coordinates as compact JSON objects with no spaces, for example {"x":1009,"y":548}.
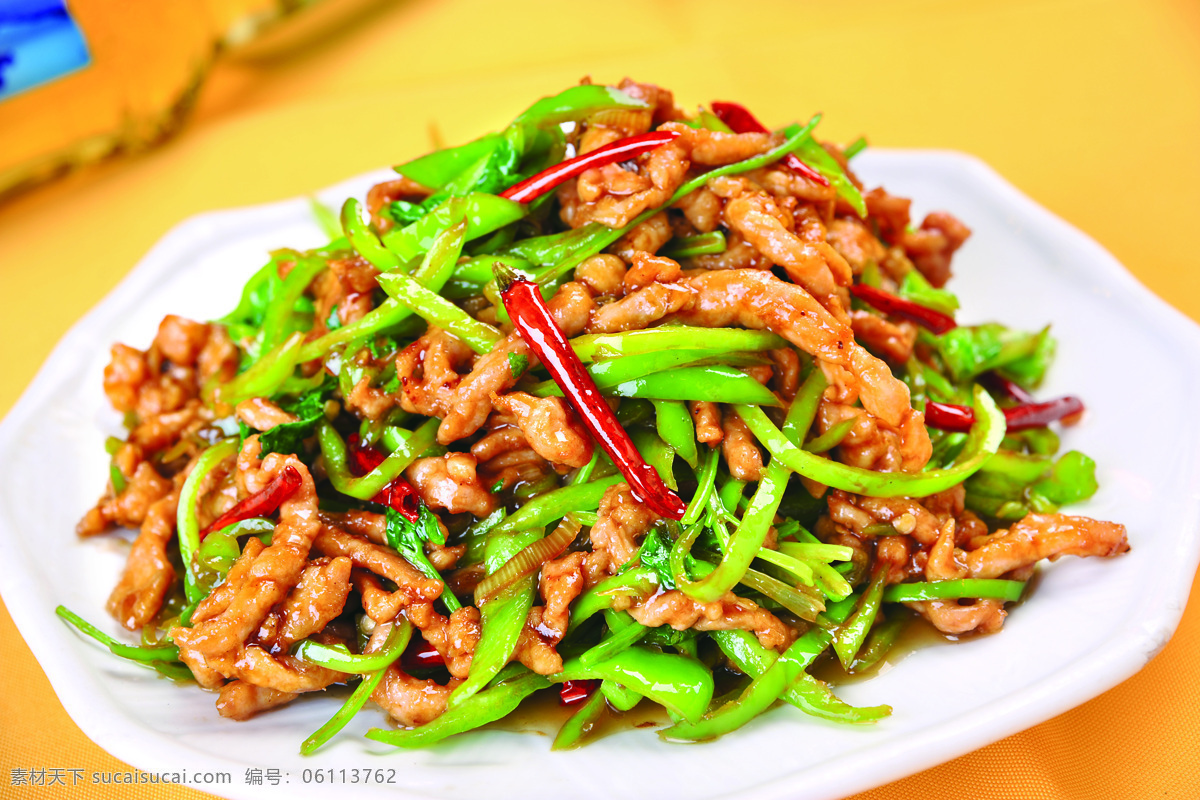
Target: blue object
{"x":39,"y":41}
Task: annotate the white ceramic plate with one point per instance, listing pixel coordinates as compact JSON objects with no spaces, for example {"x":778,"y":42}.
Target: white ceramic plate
{"x":1091,"y":623}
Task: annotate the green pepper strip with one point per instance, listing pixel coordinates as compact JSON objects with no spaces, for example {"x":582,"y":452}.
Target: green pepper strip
{"x":715,"y":383}
{"x":502,"y":618}
{"x":575,"y":729}
{"x":749,"y":536}
{"x":493,"y":703}
{"x":673,"y":337}
{"x":983,"y":588}
{"x":612,"y":372}
{"x":220,"y":548}
{"x":133,"y":652}
{"x":705,"y":483}
{"x":675,"y":427}
{"x":677,"y":683}
{"x":436,"y":310}
{"x":562,"y":255}
{"x":545,"y":508}
{"x":620,"y":637}
{"x":279,"y":311}
{"x":981,"y":443}
{"x":702,"y":244}
{"x":393,"y":648}
{"x":883,"y":637}
{"x":435,"y":270}
{"x":830,"y":438}
{"x":803,"y":409}
{"x":265,"y":376}
{"x":850,"y":636}
{"x":364,"y":488}
{"x":619,"y":697}
{"x":635,"y":581}
{"x":186,"y":524}
{"x":338,"y":658}
{"x":484,"y":213}
{"x":805,"y":693}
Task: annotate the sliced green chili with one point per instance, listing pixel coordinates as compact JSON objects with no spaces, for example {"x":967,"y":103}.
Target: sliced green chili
{"x":702,"y":244}
{"x":982,"y":588}
{"x":141,"y":653}
{"x":982,"y":442}
{"x":186,"y":524}
{"x":675,"y":427}
{"x":545,"y":508}
{"x":333,"y":448}
{"x":393,"y":648}
{"x":677,"y":683}
{"x":493,"y":703}
{"x":673,"y":337}
{"x":851,"y":635}
{"x":749,"y":536}
{"x":575,"y":730}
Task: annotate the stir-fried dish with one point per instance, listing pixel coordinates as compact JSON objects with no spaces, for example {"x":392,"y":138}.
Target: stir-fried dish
{"x":624,"y":402}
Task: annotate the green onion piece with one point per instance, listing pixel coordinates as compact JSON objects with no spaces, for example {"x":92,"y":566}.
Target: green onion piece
{"x":393,"y":648}
{"x":133,"y":652}
{"x":702,"y":244}
{"x":804,"y":605}
{"x":530,"y":558}
{"x":981,"y":443}
{"x":575,"y":730}
{"x":333,"y":448}
{"x":982,"y":588}
{"x":186,"y":524}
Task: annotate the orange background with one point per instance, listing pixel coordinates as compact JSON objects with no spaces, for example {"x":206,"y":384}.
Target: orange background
{"x":1090,"y":107}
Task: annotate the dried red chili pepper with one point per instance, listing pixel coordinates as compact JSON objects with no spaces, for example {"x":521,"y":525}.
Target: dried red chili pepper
{"x":534,"y":187}
{"x":998,"y":384}
{"x":260,"y":504}
{"x":889,"y":303}
{"x":535,"y":324}
{"x":421,"y":654}
{"x":740,"y":120}
{"x":951,"y":417}
{"x":364,"y":457}
{"x":572,"y":692}
{"x":400,"y":495}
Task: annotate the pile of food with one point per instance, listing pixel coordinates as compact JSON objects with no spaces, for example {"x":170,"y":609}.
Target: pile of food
{"x":623,"y":402}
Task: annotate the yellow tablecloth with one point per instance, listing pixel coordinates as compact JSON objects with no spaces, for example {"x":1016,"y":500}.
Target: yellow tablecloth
{"x":1092,"y":108}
